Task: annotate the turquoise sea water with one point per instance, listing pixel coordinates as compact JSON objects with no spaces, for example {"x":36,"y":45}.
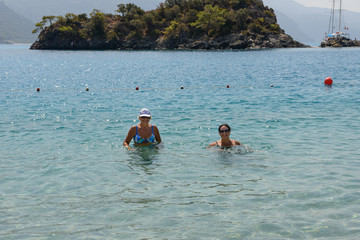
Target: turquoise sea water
{"x":64,"y":173}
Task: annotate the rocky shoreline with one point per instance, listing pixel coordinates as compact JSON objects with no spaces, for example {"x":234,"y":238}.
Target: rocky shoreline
{"x":340,"y":42}
{"x":233,"y":41}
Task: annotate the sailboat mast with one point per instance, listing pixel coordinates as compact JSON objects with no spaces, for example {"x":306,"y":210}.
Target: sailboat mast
{"x":340,"y":16}
{"x":332,"y":18}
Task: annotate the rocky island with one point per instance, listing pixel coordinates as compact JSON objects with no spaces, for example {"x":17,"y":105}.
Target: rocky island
{"x":340,"y":41}
{"x":174,"y":24}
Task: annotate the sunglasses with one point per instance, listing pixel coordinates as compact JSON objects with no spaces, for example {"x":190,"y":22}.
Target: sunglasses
{"x":224,"y":131}
{"x":145,"y":117}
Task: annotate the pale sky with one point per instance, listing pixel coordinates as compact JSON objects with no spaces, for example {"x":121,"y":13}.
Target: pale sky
{"x":353,"y":5}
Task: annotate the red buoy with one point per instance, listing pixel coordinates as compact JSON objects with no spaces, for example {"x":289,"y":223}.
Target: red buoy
{"x":38,"y":89}
{"x":328,"y":81}
{"x":137,"y":88}
{"x":227,"y":86}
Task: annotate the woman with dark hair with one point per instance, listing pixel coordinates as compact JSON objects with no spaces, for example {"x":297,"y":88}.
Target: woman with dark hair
{"x":225,"y":141}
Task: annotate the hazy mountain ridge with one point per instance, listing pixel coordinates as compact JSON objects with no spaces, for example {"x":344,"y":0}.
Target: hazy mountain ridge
{"x":14,"y":27}
{"x":36,"y":9}
{"x":292,"y":28}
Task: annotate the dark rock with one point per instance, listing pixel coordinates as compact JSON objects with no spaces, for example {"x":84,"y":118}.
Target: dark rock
{"x":52,"y":40}
{"x":340,"y":42}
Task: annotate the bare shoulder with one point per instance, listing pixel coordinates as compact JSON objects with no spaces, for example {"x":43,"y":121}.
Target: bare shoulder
{"x":237,"y":142}
{"x":213,"y":144}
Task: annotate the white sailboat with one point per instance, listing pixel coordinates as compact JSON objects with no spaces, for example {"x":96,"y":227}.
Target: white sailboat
{"x":337,"y":35}
{"x":336,"y":29}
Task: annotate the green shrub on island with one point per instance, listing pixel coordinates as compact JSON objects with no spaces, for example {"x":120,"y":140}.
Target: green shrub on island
{"x":192,"y":17}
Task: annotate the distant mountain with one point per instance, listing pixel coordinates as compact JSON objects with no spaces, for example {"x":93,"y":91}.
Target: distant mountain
{"x":36,"y":9}
{"x":310,"y":23}
{"x":14,"y":27}
{"x":292,"y":28}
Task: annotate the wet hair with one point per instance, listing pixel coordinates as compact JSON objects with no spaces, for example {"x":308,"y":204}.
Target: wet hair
{"x":226,"y":125}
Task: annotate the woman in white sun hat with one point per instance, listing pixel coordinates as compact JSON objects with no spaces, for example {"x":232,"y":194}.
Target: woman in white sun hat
{"x":144,"y":134}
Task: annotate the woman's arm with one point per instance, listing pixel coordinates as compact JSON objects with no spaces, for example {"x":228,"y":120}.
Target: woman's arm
{"x":237,"y":142}
{"x":129,"y":136}
{"x":157,"y":134}
{"x":213,"y":144}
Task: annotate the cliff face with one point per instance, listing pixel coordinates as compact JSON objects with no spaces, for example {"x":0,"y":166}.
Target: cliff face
{"x":175,"y":24}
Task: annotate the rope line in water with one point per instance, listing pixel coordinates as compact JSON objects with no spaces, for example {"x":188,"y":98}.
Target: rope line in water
{"x":143,"y":89}
{"x":116,"y":89}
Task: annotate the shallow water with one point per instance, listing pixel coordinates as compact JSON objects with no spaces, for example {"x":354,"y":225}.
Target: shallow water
{"x":64,"y":173}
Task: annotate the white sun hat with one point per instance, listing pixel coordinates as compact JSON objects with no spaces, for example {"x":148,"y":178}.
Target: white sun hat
{"x":145,"y":113}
